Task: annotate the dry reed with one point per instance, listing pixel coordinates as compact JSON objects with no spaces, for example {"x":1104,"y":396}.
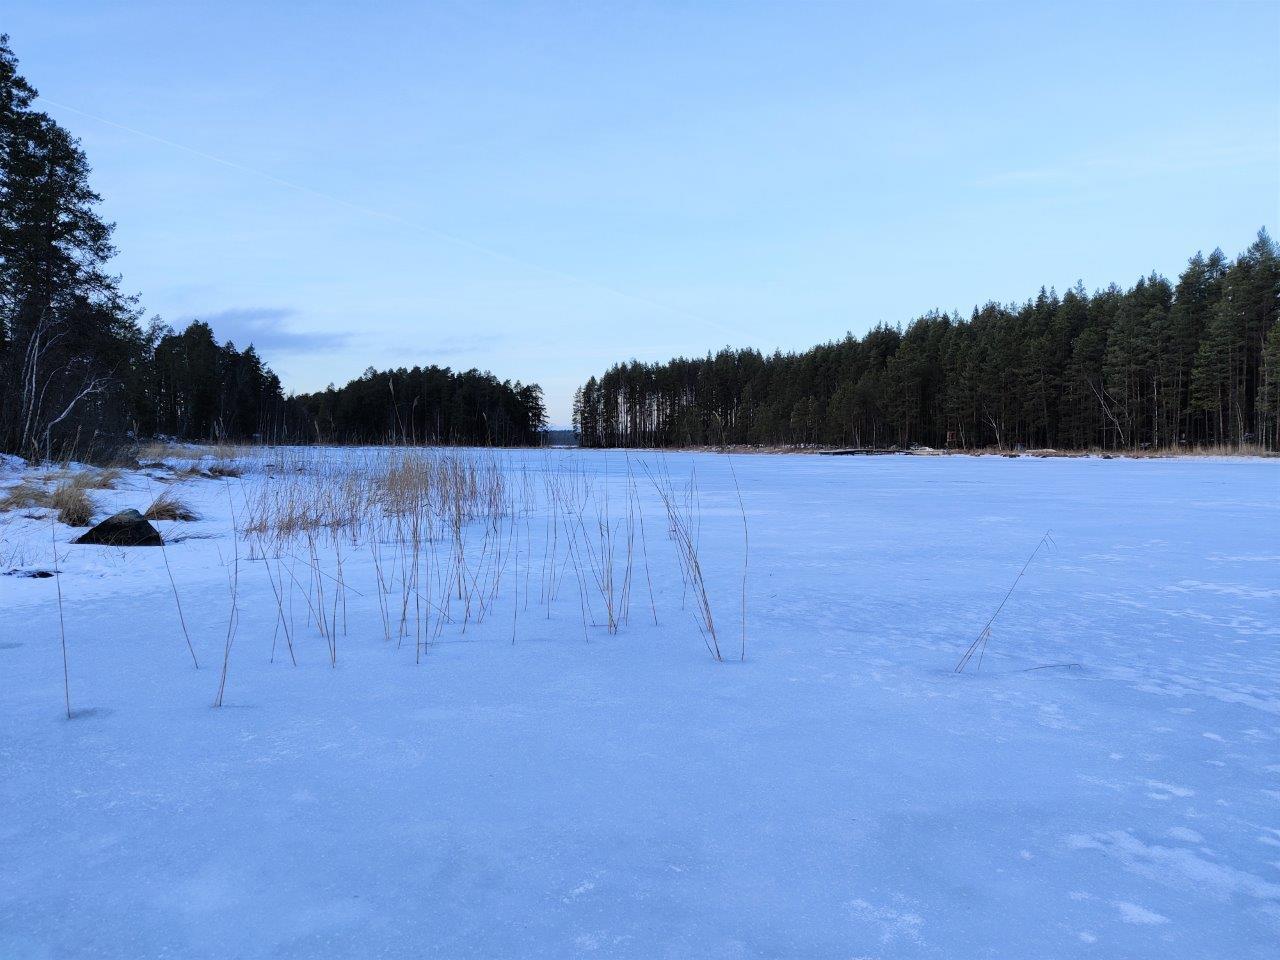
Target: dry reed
{"x":69,"y":498}
{"x":62,"y":623}
{"x":979,"y":644}
{"x":169,"y":506}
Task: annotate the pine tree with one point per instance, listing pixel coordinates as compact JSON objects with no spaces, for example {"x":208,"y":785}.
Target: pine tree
{"x":70,"y":339}
{"x":1269,"y":390}
{"x":1154,"y":365}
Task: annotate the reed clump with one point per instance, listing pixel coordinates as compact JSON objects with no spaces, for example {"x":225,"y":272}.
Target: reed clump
{"x":684,"y":528}
{"x":72,"y":504}
{"x":450,"y":537}
{"x":24,"y":496}
{"x":169,"y":506}
{"x":69,"y":497}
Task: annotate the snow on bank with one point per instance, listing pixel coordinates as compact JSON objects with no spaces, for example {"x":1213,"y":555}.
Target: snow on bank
{"x":1107,"y":785}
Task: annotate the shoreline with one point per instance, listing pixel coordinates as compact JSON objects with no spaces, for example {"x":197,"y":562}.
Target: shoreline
{"x":1037,"y":453}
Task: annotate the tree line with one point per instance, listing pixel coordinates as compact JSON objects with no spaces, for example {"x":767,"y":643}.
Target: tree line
{"x":80,"y":372}
{"x":1159,"y":365}
{"x":425,"y":405}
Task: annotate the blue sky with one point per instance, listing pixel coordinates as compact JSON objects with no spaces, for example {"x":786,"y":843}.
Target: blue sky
{"x":543,"y":189}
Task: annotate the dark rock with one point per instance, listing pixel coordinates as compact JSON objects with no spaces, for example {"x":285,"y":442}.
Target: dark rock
{"x":128,"y":528}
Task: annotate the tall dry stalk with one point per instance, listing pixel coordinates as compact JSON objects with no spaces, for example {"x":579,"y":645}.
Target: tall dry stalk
{"x":443,"y":533}
{"x":234,"y":618}
{"x":282,"y":622}
{"x":637,"y":509}
{"x":62,"y":624}
{"x":168,"y":506}
{"x":683,"y":521}
{"x":177,"y":602}
{"x":746,"y":552}
{"x":979,"y":644}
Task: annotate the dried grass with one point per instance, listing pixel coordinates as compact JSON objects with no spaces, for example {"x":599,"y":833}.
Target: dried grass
{"x":683,"y":526}
{"x":161,"y":451}
{"x":73,"y":505}
{"x":169,"y":506}
{"x":449,"y":535}
{"x":69,"y":499}
{"x":95,"y":479}
{"x":24,"y":496}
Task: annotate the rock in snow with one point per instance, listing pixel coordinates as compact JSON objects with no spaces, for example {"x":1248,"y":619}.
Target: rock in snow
{"x":128,"y":528}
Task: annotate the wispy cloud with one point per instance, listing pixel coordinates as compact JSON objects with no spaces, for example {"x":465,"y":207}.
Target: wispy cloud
{"x":269,"y":330}
{"x":455,"y":346}
{"x":1131,"y":164}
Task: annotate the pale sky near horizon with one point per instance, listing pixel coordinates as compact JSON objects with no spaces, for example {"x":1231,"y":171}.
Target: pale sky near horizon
{"x":542,"y":189}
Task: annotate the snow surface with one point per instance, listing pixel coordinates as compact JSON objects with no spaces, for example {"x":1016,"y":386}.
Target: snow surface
{"x":1107,"y":785}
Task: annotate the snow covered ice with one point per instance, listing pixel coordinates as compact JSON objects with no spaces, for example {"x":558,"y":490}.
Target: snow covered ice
{"x":1106,"y":785}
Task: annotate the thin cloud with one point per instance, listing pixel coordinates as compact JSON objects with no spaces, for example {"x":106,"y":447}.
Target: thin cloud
{"x":1176,"y":157}
{"x":460,"y":346}
{"x":267,"y":328}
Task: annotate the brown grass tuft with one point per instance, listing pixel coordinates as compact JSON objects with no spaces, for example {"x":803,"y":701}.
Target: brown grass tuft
{"x":24,"y":496}
{"x":95,"y":480}
{"x":74,"y":507}
{"x":70,"y":498}
{"x":168,"y":506}
{"x":159,"y":451}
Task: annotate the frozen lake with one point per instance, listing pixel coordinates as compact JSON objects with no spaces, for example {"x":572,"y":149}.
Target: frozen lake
{"x":1107,"y":784}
